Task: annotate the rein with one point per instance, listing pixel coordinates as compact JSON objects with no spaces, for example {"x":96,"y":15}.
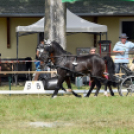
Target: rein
{"x":67,"y":56}
{"x":63,"y":67}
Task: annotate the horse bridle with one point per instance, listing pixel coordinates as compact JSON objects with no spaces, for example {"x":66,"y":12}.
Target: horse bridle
{"x":50,"y":50}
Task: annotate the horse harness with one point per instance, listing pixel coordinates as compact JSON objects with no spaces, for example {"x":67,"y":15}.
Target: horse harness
{"x":62,"y":66}
{"x":65,"y":58}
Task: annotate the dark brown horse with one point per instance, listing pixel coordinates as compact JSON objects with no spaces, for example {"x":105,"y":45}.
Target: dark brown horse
{"x":69,"y":65}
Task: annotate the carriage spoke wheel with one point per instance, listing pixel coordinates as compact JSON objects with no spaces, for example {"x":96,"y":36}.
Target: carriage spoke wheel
{"x":126,"y":85}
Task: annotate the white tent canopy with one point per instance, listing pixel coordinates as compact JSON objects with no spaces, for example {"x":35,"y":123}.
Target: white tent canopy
{"x":74,"y":24}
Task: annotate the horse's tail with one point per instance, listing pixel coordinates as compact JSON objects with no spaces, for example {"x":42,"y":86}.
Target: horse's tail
{"x":110,"y":68}
{"x":98,"y":69}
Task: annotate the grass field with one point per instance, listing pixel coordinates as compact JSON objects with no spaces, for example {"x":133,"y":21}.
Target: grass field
{"x":93,"y":115}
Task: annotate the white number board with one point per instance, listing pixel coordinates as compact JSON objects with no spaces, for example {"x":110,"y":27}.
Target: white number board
{"x":34,"y":86}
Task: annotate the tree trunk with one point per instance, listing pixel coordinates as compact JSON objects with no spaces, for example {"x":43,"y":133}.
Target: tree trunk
{"x":55,"y":22}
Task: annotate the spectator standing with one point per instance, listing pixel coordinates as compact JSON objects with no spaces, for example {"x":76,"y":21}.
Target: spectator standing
{"x":39,"y":49}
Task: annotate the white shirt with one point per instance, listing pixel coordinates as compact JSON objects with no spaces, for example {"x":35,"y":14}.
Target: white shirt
{"x":122,"y":47}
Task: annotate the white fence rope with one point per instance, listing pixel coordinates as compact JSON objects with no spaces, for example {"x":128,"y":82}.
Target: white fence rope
{"x":51,"y":92}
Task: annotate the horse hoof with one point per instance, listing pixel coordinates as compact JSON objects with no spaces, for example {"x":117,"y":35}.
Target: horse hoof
{"x":85,"y":96}
{"x":53,"y":97}
{"x":79,"y":96}
{"x":112,"y":94}
{"x":106,"y":95}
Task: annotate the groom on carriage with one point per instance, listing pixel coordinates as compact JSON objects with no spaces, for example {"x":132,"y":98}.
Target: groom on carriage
{"x":121,"y":49}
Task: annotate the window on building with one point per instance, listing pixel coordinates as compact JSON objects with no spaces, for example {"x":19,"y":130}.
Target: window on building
{"x":128,"y":28}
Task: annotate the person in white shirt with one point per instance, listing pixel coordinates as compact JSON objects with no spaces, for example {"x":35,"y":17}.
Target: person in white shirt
{"x":121,"y":49}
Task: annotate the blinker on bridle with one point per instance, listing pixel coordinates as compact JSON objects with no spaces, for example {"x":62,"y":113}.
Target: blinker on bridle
{"x":48,"y":44}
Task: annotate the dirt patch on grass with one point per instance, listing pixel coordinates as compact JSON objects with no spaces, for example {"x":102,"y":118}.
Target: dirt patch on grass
{"x":62,"y":124}
{"x":51,"y":124}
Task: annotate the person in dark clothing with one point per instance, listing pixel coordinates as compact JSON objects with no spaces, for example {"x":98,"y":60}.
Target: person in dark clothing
{"x":38,"y":63}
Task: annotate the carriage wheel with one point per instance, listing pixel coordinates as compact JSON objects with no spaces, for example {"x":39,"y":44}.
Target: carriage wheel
{"x":126,"y":85}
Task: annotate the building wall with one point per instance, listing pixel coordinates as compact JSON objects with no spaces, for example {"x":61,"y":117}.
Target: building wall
{"x":79,"y":40}
{"x":3,"y":37}
{"x":114,"y":27}
{"x":27,"y":44}
{"x":87,"y":40}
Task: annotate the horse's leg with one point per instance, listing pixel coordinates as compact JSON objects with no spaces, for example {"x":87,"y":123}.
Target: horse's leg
{"x":69,"y":87}
{"x":59,"y":85}
{"x":98,"y":84}
{"x":110,"y":89}
{"x":91,"y":88}
{"x":105,"y":89}
{"x":63,"y":88}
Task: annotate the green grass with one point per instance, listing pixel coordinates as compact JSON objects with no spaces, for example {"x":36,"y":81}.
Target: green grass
{"x":88,"y":115}
{"x":93,"y":115}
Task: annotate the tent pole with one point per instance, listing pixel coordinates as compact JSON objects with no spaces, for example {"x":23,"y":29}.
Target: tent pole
{"x":17,"y":41}
{"x":38,"y":38}
{"x":100,"y":36}
{"x":106,"y":35}
{"x":17,"y":45}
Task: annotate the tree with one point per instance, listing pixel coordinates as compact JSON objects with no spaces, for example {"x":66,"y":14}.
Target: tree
{"x":55,"y":16}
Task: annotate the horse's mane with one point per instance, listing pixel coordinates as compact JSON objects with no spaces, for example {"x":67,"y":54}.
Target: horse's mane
{"x":60,"y":49}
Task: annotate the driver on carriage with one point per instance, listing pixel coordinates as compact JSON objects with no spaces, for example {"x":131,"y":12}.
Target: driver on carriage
{"x":121,"y":49}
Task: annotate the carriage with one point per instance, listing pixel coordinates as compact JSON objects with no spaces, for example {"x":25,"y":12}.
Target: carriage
{"x":126,"y":83}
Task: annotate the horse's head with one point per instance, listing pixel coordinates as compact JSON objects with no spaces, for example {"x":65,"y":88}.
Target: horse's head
{"x":53,"y":49}
{"x":46,"y":52}
{"x":47,"y":46}
{"x":44,"y":57}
